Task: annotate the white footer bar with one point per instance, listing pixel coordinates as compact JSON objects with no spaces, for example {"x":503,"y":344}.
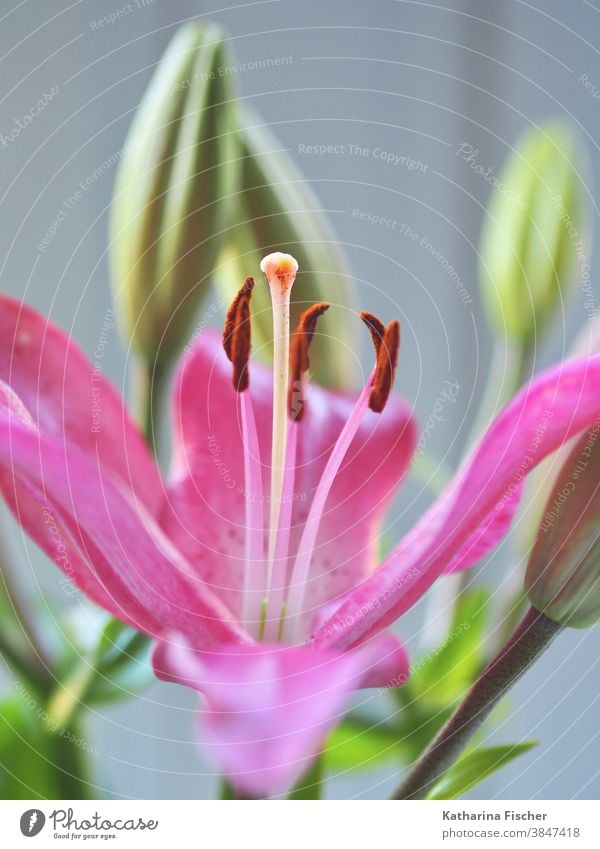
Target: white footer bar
{"x":306,"y":825}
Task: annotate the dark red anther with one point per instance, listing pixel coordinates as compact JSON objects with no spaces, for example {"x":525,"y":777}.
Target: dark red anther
{"x":376,"y":329}
{"x":237,"y":335}
{"x":387,"y":361}
{"x":299,"y":362}
{"x":245,"y":292}
{"x":386,"y":341}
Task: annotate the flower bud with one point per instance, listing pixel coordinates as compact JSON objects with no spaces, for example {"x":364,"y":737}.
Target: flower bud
{"x":278,"y":211}
{"x":541,"y":479}
{"x":534,"y":233}
{"x":172,"y":192}
{"x":563,"y":573}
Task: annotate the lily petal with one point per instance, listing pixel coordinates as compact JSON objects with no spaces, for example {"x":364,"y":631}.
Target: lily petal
{"x":70,"y":399}
{"x":96,"y":530}
{"x":468,"y":518}
{"x":349,"y":533}
{"x":205,"y":510}
{"x":269,"y":708}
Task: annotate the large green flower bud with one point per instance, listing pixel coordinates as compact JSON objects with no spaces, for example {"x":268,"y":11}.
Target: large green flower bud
{"x":586,"y":343}
{"x":563,"y":573}
{"x":534,"y":235}
{"x":173,"y":191}
{"x":278,"y":211}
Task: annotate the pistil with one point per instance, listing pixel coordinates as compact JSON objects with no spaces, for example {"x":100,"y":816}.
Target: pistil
{"x":280,"y":270}
{"x":276,"y":610}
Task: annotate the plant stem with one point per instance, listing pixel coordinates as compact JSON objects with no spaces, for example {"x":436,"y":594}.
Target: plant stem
{"x":528,"y":642}
{"x":12,"y":656}
{"x":226,"y":791}
{"x":72,"y":776}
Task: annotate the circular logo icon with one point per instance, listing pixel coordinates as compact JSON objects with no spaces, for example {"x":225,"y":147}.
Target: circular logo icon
{"x":32,"y":822}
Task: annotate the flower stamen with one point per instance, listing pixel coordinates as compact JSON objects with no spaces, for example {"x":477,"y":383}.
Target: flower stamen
{"x":237,"y":335}
{"x":376,"y":329}
{"x":386,"y":346}
{"x":299,"y":360}
{"x":237,"y":344}
{"x":385,"y":370}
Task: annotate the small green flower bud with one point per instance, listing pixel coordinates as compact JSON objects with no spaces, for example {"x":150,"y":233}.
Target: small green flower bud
{"x":534,"y":232}
{"x":563,"y":573}
{"x":278,"y":211}
{"x":172,"y":192}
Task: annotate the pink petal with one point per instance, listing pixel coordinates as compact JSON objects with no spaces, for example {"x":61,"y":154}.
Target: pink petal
{"x":351,"y":525}
{"x":469,"y":518}
{"x":94,"y":529}
{"x":205,"y":513}
{"x":269,"y":708}
{"x":70,"y":399}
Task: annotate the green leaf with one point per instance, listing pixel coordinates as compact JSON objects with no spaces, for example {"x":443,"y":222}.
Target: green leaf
{"x":357,"y":744}
{"x":24,"y":752}
{"x":475,"y":766}
{"x":441,"y":676}
{"x":35,"y":761}
{"x":417,"y":724}
{"x":123,"y":667}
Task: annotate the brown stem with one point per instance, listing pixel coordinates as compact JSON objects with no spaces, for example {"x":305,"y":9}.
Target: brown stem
{"x":528,"y":642}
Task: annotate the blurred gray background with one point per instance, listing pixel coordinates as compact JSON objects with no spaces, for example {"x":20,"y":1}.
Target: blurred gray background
{"x":410,"y":78}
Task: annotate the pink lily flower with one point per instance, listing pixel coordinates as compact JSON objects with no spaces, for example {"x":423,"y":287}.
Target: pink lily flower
{"x":253,"y":565}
